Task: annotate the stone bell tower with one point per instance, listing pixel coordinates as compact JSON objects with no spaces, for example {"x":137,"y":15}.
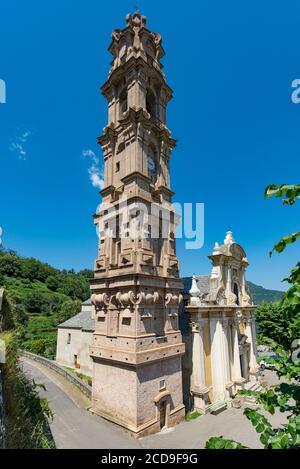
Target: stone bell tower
{"x":137,"y":346}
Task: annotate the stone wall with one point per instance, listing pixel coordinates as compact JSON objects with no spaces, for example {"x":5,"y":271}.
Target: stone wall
{"x":71,"y":342}
{"x":85,"y":388}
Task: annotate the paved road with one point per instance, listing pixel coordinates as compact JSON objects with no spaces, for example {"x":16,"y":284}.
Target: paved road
{"x":74,"y":427}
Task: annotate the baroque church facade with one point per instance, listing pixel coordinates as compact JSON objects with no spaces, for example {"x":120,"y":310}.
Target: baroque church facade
{"x":145,"y":371}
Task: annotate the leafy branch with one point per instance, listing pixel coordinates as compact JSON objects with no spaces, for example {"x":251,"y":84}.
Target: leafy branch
{"x":288,"y":193}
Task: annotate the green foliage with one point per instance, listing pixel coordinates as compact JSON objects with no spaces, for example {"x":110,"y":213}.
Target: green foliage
{"x":216,"y":442}
{"x":85,"y":378}
{"x":21,"y":315}
{"x":37,"y":290}
{"x":69,"y":309}
{"x":39,"y":336}
{"x":274,"y":323}
{"x":10,"y":265}
{"x":283,"y":242}
{"x":6,"y":318}
{"x":35,"y":270}
{"x":26,"y":413}
{"x":75,"y":286}
{"x":87,"y":273}
{"x":53,"y":282}
{"x":192,"y":415}
{"x":288,"y":192}
{"x":291,"y":299}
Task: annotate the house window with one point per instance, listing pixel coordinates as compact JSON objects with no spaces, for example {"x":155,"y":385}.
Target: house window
{"x":69,"y":338}
{"x":162,"y":385}
{"x":117,"y":167}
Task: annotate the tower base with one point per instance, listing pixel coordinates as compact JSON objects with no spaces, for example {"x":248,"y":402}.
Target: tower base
{"x":141,"y":399}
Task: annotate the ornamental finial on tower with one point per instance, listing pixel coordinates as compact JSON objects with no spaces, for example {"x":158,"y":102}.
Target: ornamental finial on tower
{"x":136,"y":41}
{"x":195,"y":293}
{"x":228,"y":238}
{"x":136,"y":20}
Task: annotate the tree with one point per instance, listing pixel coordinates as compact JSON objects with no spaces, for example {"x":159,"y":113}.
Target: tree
{"x":75,"y":286}
{"x":20,"y":314}
{"x":87,"y":273}
{"x":34,"y":302}
{"x":273,"y":323}
{"x":35,"y":270}
{"x":53,"y":282}
{"x":10,"y":265}
{"x":68,"y":309}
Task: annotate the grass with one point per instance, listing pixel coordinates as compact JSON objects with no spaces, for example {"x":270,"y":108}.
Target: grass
{"x":87,"y":379}
{"x":192,"y":415}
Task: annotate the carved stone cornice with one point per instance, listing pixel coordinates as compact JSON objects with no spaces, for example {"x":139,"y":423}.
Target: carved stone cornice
{"x":129,"y":298}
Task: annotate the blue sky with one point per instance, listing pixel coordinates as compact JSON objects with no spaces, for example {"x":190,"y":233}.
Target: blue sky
{"x":230,"y":65}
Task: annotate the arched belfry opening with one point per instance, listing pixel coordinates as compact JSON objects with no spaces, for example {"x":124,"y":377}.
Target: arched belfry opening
{"x":236,"y":291}
{"x":151,"y":104}
{"x":123,"y":102}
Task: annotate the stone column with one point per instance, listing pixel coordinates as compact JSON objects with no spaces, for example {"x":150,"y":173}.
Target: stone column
{"x":250,"y":325}
{"x":228,"y":285}
{"x":236,"y":372}
{"x":218,"y":378}
{"x":226,"y":363}
{"x":198,"y":388}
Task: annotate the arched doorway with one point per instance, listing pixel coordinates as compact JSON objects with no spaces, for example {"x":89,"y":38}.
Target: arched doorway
{"x":162,"y":402}
{"x":162,"y":414}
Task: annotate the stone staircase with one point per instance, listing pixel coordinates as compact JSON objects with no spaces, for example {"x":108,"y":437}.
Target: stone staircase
{"x":250,"y":401}
{"x":217,"y":407}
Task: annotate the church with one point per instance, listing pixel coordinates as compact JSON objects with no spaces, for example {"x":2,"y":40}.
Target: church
{"x":155,"y":345}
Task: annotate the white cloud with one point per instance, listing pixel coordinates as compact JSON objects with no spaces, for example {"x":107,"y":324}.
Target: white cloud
{"x":95,"y":173}
{"x":18,"y":145}
{"x":24,"y":136}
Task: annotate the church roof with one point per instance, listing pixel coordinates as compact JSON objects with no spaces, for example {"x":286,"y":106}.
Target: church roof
{"x":87,"y":302}
{"x":202,"y":283}
{"x":82,"y":320}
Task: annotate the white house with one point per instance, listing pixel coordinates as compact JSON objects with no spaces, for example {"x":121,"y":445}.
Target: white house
{"x":74,"y":337}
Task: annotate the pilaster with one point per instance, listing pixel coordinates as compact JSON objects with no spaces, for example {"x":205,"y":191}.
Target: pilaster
{"x":198,"y":381}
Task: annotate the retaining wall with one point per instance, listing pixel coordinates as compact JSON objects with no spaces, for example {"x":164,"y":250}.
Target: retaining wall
{"x":85,"y":388}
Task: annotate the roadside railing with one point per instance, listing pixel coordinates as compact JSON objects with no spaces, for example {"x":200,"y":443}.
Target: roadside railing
{"x":85,"y":388}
